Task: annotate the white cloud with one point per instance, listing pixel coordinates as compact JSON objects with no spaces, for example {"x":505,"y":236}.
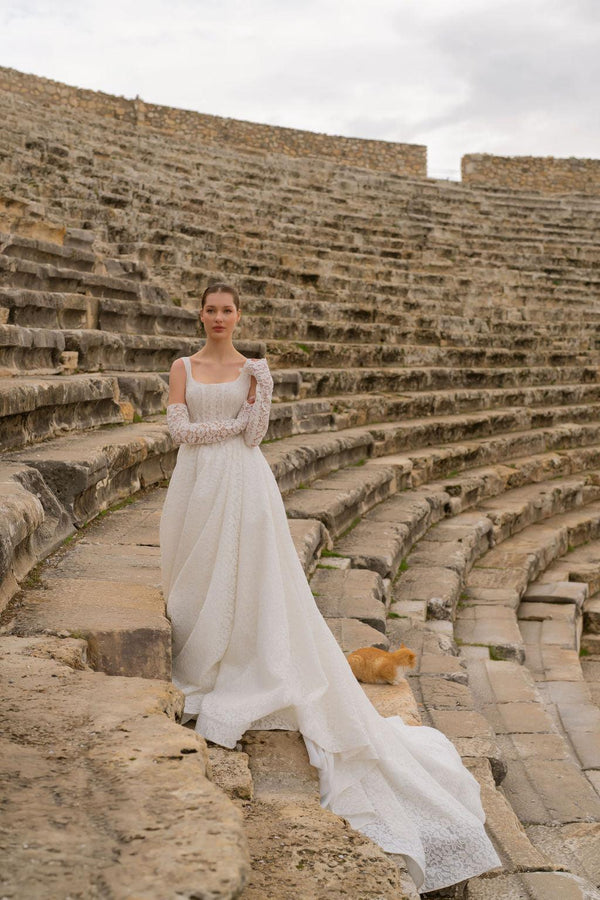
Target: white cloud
{"x":510,"y":77}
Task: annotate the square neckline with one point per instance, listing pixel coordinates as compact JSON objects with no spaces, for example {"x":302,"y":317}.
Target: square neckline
{"x":214,"y":383}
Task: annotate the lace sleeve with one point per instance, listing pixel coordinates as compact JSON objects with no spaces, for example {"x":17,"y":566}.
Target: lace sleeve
{"x":185,"y":432}
{"x":258,"y":412}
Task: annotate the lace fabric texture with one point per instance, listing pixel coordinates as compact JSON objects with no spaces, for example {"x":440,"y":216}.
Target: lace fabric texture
{"x":251,"y":650}
{"x":252,"y":419}
{"x":184,"y":432}
{"x":258,"y":412}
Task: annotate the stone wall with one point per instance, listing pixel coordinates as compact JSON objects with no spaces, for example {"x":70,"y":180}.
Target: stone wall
{"x":399,"y":159}
{"x":532,"y":173}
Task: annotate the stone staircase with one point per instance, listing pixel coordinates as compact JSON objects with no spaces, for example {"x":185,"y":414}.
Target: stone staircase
{"x":435,"y":433}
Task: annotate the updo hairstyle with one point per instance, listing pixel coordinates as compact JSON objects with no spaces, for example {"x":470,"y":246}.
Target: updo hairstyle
{"x":220,"y":287}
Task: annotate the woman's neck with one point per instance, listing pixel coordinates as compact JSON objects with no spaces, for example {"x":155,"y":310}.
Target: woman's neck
{"x":217,"y":352}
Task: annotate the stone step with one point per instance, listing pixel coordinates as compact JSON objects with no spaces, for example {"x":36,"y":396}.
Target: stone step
{"x":29,"y":220}
{"x":14,"y":246}
{"x":550,"y":622}
{"x":127,"y":633}
{"x":388,"y":439}
{"x":540,"y":885}
{"x":573,"y":847}
{"x":52,"y":488}
{"x":352,"y":410}
{"x":297,"y":848}
{"x":439,"y":682}
{"x":499,"y":579}
{"x":510,"y":839}
{"x":440,"y":563}
{"x":341,"y":498}
{"x":68,"y":833}
{"x":88,"y":472}
{"x":460,"y":241}
{"x":318,"y":413}
{"x":62,"y":310}
{"x":579,"y":571}
{"x":83,"y":475}
{"x":460,"y":333}
{"x":433,"y":575}
{"x":358,"y":208}
{"x":322,"y":251}
{"x":129,"y":535}
{"x":33,"y":523}
{"x":24,"y":274}
{"x":311,"y":539}
{"x":394,"y":437}
{"x":318,"y":381}
{"x":347,"y":355}
{"x":350,"y":594}
{"x":179,"y":156}
{"x":34,"y":410}
{"x":570,"y":442}
{"x":385,"y":534}
{"x":106,"y":590}
{"x":537,"y":756}
{"x":48,"y":351}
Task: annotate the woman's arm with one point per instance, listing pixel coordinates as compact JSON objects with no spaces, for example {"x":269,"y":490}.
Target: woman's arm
{"x":185,"y":432}
{"x":258,"y":411}
{"x":178,"y":418}
{"x":177,"y":380}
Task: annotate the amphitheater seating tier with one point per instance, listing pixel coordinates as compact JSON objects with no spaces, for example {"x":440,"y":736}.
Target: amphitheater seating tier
{"x":435,"y":433}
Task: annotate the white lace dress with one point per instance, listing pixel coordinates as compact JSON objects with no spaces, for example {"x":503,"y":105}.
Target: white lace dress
{"x":252,"y":651}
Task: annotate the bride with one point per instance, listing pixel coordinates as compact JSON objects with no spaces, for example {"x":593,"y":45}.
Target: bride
{"x":250,"y":647}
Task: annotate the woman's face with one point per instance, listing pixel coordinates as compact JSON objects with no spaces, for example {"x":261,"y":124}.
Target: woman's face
{"x":219,"y":316}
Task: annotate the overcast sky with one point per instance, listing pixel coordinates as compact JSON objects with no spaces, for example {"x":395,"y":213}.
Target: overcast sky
{"x":514,"y":77}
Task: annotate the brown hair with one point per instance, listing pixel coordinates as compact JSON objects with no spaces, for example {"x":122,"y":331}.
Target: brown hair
{"x":221,"y":288}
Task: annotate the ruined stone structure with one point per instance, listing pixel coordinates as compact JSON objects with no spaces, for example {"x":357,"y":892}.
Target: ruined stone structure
{"x":532,"y":173}
{"x":436,"y":436}
{"x":401,"y":159}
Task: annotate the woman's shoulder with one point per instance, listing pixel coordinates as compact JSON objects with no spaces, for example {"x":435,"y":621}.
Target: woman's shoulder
{"x":178,"y":365}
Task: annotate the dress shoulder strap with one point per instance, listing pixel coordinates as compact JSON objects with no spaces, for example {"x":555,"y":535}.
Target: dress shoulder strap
{"x":188,"y":368}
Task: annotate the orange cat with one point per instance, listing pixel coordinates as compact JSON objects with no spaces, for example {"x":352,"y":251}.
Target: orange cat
{"x":374,"y":666}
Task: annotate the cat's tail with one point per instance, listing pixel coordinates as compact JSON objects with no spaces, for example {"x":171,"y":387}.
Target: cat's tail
{"x":404,"y":657}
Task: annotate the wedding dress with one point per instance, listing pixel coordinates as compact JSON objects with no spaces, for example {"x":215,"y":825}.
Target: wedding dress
{"x":252,"y":651}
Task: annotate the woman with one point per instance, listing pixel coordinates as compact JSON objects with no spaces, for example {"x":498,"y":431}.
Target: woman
{"x":250,"y":647}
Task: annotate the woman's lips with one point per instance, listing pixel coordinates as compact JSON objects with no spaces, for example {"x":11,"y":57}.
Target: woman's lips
{"x":218,"y":328}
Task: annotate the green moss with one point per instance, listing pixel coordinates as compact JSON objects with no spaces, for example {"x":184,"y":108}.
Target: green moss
{"x":360,"y":462}
{"x":33,"y":579}
{"x":137,"y":418}
{"x":352,"y":525}
{"x":583,"y":651}
{"x":322,"y":566}
{"x":326,"y":552}
{"x":304,"y":347}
